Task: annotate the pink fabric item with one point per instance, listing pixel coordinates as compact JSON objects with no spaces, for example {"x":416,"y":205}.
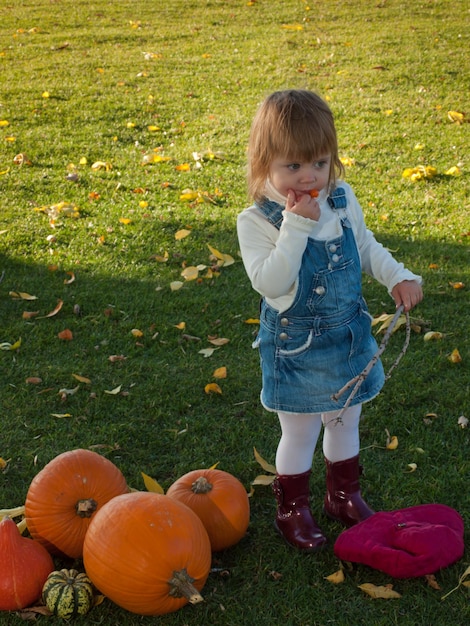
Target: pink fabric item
{"x":405,"y":543}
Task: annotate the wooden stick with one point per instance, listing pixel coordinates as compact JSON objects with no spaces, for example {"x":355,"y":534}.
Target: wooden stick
{"x":359,"y":379}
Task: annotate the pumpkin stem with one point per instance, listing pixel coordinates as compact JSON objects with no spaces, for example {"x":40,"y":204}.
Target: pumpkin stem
{"x":181,"y":585}
{"x":86,"y":508}
{"x":201,"y":485}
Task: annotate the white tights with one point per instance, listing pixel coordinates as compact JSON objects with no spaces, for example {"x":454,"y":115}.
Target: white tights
{"x":300,"y":432}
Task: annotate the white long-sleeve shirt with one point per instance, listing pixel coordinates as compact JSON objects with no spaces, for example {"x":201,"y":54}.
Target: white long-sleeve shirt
{"x":273,"y":257}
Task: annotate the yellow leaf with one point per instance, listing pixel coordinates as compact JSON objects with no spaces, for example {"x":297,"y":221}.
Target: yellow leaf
{"x":82,"y":379}
{"x":101,"y":165}
{"x":21,"y":295}
{"x":393,"y":443}
{"x":212,"y":388}
{"x":114,"y":391}
{"x":412,"y":467}
{"x":252,"y":320}
{"x":224,"y":259}
{"x":220,"y":372}
{"x":4,"y":123}
{"x":264,"y":464}
{"x":188,"y":195}
{"x":151,"y":484}
{"x":184,"y":167}
{"x":336,"y":578}
{"x":61,"y":415}
{"x":175,"y":285}
{"x":161,"y":259}
{"x":190,"y":273}
{"x":432,"y":335}
{"x":125,"y":220}
{"x":181,"y":234}
{"x":457,"y":285}
{"x":454,"y":356}
{"x":264,"y":480}
{"x":181,"y":326}
{"x":379,"y":592}
{"x":135,"y":332}
{"x":456,"y":116}
{"x":10,"y":346}
{"x":292,"y":27}
{"x":27,"y":315}
{"x":453,"y":171}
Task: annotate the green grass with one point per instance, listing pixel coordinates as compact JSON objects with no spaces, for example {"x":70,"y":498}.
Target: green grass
{"x":198,"y":70}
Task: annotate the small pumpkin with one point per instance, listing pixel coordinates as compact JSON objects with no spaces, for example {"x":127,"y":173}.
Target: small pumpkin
{"x":147,"y":553}
{"x":219,"y":500}
{"x":63,"y":497}
{"x":68,"y":593}
{"x":24,"y":566}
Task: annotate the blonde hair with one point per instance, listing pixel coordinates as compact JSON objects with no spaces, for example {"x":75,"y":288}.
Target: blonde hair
{"x":293,"y":124}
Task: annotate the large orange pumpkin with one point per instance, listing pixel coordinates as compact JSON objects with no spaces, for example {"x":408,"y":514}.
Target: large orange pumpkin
{"x":147,"y":553}
{"x":65,"y":495}
{"x":219,"y":500}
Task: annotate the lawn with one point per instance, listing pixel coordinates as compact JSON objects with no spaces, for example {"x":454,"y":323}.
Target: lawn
{"x":123,"y":132}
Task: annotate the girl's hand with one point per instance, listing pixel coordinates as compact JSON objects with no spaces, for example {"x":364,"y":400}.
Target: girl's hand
{"x":303,"y":205}
{"x":408,"y":293}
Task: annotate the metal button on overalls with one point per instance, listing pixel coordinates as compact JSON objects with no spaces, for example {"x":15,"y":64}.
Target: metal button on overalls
{"x":333,"y":247}
{"x":283,"y":336}
{"x":335,"y":258}
{"x":284,"y":321}
{"x":320,"y":290}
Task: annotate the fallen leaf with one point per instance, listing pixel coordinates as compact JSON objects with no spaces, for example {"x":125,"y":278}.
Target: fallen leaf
{"x":114,"y":392}
{"x":101,"y":165}
{"x":116,"y":357}
{"x":456,"y":117}
{"x":58,"y":307}
{"x":219,"y":341}
{"x":175,"y":285}
{"x":432,"y":582}
{"x":10,"y":346}
{"x":82,"y":379}
{"x":27,"y":315}
{"x":336,"y":578}
{"x":181,"y":234}
{"x":65,"y":335}
{"x":125,"y":220}
{"x":212,"y":388}
{"x":33,"y":380}
{"x":223,"y":259}
{"x":190,"y":273}
{"x":184,"y":167}
{"x":61,"y":415}
{"x":462,"y":421}
{"x":432,"y":335}
{"x":220,"y":372}
{"x":264,"y":480}
{"x":69,"y":280}
{"x":412,"y":467}
{"x":151,"y":484}
{"x":21,"y":295}
{"x":457,"y":285}
{"x":385,"y":592}
{"x":207,"y":352}
{"x":454,"y":356}
{"x":135,"y":332}
{"x":393,"y":443}
{"x":268,"y":467}
{"x":252,"y":320}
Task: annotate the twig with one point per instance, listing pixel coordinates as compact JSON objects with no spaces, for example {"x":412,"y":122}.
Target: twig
{"x":2,"y":275}
{"x":359,"y":379}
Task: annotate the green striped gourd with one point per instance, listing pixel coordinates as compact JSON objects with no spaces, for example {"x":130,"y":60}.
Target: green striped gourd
{"x":68,"y":593}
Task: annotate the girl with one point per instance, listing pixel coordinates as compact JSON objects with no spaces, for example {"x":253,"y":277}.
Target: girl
{"x":304,"y":245}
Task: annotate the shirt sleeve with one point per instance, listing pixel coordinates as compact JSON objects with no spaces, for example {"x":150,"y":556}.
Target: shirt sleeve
{"x":272,"y":257}
{"x":376,"y":260}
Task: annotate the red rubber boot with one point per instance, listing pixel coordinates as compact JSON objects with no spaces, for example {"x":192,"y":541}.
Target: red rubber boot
{"x":294,"y":520}
{"x":343,"y":500}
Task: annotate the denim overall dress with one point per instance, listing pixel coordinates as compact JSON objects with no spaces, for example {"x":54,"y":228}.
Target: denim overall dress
{"x":323,"y":340}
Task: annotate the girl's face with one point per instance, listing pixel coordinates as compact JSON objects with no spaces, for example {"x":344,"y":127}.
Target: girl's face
{"x":300,"y":177}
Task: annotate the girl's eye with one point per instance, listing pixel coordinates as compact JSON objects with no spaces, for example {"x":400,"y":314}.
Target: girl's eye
{"x":321,"y":164}
{"x":294,"y":166}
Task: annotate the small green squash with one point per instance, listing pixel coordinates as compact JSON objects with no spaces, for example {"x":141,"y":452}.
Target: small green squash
{"x":68,"y":593}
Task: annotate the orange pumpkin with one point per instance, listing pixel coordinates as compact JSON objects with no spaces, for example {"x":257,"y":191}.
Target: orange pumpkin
{"x":219,"y":500}
{"x":147,"y":553}
{"x":65,"y":495}
{"x":24,"y":566}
